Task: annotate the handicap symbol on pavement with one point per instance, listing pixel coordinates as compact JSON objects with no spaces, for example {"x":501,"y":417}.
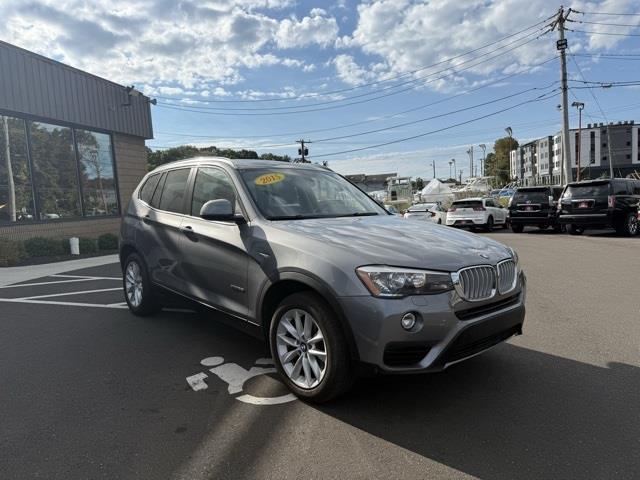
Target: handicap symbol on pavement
{"x":236,"y":376}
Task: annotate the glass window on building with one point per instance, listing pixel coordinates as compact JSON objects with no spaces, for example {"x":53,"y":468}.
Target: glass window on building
{"x":97,"y":176}
{"x":16,"y":192}
{"x":55,"y":171}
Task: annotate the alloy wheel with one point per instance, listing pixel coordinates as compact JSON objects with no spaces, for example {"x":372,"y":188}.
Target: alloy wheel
{"x":133,"y":283}
{"x":301,"y":347}
{"x":632,"y":225}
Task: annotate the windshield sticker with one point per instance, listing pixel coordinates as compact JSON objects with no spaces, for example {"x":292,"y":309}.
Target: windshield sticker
{"x":269,"y":178}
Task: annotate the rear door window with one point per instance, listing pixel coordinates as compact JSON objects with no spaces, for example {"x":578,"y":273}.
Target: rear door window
{"x":620,"y":187}
{"x":174,"y":190}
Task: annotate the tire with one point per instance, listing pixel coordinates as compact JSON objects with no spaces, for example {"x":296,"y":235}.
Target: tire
{"x":439,"y":221}
{"x":629,"y":227}
{"x":316,"y":384}
{"x":574,"y":230}
{"x":516,"y":228}
{"x":488,"y":227}
{"x":145,"y":301}
{"x":557,"y":228}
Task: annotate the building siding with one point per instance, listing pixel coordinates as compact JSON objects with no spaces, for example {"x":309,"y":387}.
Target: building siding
{"x":34,"y":85}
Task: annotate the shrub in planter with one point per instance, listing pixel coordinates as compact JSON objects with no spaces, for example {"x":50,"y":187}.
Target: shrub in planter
{"x":88,"y":245}
{"x":108,"y":241}
{"x":43,"y":247}
{"x":11,"y":252}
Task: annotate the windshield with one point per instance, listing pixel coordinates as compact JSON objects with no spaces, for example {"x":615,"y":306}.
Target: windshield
{"x":588,"y":190}
{"x":533,"y":196}
{"x":288,"y":193}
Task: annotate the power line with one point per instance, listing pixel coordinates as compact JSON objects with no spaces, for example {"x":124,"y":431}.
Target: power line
{"x":622,"y":14}
{"x":413,"y":122}
{"x":356,"y":87}
{"x":384,"y":117}
{"x":607,"y":24}
{"x":604,"y":33}
{"x":537,"y":99}
{"x":207,"y":111}
{"x":607,"y":57}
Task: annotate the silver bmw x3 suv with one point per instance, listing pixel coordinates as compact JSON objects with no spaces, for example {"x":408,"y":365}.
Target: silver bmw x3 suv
{"x":313,"y":265}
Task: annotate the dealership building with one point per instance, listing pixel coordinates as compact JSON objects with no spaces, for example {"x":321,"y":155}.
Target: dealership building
{"x":72,"y":148}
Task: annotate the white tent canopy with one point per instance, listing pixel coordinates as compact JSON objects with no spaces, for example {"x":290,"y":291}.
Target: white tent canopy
{"x":436,"y":191}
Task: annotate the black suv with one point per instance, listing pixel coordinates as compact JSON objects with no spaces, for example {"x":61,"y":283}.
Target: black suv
{"x":535,"y":206}
{"x":608,"y":203}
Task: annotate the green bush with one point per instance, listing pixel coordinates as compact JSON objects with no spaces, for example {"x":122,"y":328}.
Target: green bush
{"x":11,"y":252}
{"x":108,"y":241}
{"x":88,"y":245}
{"x":43,"y":247}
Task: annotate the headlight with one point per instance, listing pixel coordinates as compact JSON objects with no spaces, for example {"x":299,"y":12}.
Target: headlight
{"x":384,"y":281}
{"x":514,"y":255}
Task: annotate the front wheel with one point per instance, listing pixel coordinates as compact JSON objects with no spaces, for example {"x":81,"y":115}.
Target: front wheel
{"x":138,"y":290}
{"x":309,"y":348}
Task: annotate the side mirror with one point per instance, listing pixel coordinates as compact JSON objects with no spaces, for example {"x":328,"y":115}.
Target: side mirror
{"x":218,"y":210}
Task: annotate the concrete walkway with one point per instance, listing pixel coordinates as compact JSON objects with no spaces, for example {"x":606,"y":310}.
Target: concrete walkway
{"x":9,"y":275}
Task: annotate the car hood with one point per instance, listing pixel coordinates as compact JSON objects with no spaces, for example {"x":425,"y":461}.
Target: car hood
{"x":390,"y":240}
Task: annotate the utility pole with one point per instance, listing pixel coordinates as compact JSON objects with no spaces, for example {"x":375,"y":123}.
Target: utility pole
{"x":450,"y":163}
{"x":460,"y":176}
{"x":470,"y":152}
{"x":610,"y":153}
{"x":484,"y":158}
{"x":565,"y":172}
{"x":454,"y":169}
{"x":433,"y":164}
{"x":303,"y":151}
{"x":580,"y":107}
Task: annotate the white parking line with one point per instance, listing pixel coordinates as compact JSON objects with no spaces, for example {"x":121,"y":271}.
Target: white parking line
{"x":36,"y":297}
{"x":51,"y":302}
{"x":58,"y":281}
{"x":85,"y":277}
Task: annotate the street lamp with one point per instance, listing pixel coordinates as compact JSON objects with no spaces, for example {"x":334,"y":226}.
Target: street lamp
{"x":450,"y":163}
{"x":580,"y":107}
{"x":454,"y":168}
{"x":484,"y":156}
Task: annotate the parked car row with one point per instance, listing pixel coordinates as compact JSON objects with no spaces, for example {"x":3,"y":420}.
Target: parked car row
{"x":591,"y":204}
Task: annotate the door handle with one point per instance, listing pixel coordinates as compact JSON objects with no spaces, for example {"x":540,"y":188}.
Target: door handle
{"x":146,"y":218}
{"x":187,"y":230}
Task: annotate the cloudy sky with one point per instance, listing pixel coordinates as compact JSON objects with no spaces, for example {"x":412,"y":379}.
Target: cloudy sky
{"x":426,"y":78}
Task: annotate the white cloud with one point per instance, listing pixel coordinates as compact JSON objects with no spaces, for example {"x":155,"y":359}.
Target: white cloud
{"x":350,"y":72}
{"x":317,"y":28}
{"x":187,"y":44}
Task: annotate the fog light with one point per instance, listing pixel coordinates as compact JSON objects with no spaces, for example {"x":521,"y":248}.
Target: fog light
{"x":408,"y":321}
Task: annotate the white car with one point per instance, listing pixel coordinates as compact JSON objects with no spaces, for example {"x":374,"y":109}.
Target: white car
{"x":477,"y":212}
{"x":432,"y":212}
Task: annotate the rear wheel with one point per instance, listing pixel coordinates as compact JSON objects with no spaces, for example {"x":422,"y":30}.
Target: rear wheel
{"x":557,"y":228}
{"x":138,"y":291}
{"x":489,"y":225}
{"x":629,"y":227}
{"x":309,"y":348}
{"x":574,"y":229}
{"x":516,"y":228}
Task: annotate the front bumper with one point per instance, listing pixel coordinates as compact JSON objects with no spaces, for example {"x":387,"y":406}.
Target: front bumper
{"x":451,"y":330}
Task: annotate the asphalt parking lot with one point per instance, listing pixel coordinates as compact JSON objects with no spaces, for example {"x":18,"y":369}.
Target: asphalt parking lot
{"x":90,"y":391}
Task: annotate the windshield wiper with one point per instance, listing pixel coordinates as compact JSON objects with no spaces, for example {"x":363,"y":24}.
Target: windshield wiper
{"x":359,"y":214}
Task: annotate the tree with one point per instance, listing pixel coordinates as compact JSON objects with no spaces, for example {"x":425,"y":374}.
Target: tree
{"x":419,"y":183}
{"x":497,"y":163}
{"x":160,"y":157}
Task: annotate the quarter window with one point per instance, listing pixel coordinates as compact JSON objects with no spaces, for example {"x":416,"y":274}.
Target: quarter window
{"x":175,"y":186}
{"x":146,"y":192}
